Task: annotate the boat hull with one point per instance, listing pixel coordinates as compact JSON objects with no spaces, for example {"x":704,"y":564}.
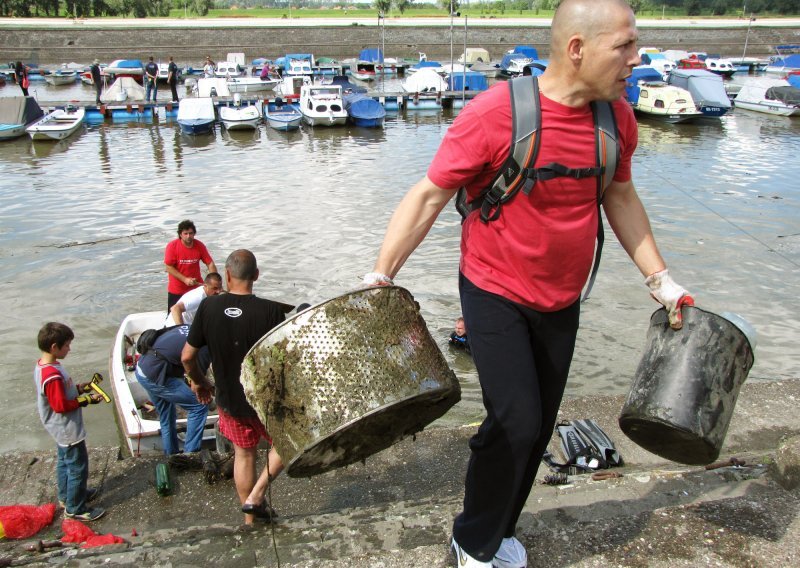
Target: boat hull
{"x":56,"y":125}
{"x":768,"y":108}
{"x":195,"y":127}
{"x":140,"y":433}
{"x":9,"y":131}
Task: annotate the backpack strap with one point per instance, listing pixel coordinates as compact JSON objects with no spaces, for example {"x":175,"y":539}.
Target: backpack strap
{"x":607,"y":159}
{"x":526,"y":117}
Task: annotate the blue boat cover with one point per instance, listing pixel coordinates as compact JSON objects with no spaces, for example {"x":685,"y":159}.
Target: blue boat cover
{"x":346,"y":85}
{"x":424,"y":64}
{"x":468,"y":81}
{"x":297,"y":56}
{"x":372,"y":55}
{"x":129,"y":64}
{"x":788,"y":61}
{"x":361,"y":107}
{"x":794,"y":81}
{"x":640,"y":73}
{"x":527,"y":51}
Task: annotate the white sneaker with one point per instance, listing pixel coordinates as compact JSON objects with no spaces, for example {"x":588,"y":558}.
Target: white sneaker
{"x":464,"y":560}
{"x":511,"y":554}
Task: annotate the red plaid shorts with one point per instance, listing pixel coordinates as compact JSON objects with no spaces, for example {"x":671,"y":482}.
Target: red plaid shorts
{"x":243,"y":432}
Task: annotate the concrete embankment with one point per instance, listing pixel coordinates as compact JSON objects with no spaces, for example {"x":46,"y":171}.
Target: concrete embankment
{"x":398,"y":507}
{"x":58,"y":41}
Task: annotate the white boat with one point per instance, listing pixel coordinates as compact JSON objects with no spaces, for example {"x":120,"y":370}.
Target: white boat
{"x":61,"y":77}
{"x":212,"y":87}
{"x":291,"y":85}
{"x":724,"y":67}
{"x":57,"y":125}
{"x":649,"y":95}
{"x":251,"y":84}
{"x":282,"y":116}
{"x":771,"y":96}
{"x":238,"y":117}
{"x":129,"y":67}
{"x":487,"y":69}
{"x":322,"y":105}
{"x":196,"y":115}
{"x":163,"y":72}
{"x":707,"y":90}
{"x":16,"y":114}
{"x":138,"y":422}
{"x":228,"y":69}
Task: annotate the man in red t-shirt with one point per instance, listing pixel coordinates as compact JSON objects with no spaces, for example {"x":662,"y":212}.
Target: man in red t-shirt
{"x":521,"y":275}
{"x":182,"y":262}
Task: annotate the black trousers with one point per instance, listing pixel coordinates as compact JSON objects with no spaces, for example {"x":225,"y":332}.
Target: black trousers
{"x":174,"y":88}
{"x":523,"y":358}
{"x":172,"y":299}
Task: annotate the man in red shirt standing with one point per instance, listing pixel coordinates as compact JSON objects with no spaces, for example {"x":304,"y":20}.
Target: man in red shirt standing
{"x":521,"y":274}
{"x":182,"y":262}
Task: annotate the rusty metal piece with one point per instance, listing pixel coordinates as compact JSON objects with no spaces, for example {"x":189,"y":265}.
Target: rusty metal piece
{"x":725,"y":463}
{"x":603,"y":475}
{"x":347,"y":378}
{"x":41,"y":545}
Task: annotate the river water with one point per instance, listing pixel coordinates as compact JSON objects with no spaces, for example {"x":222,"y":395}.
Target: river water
{"x":84,"y":222}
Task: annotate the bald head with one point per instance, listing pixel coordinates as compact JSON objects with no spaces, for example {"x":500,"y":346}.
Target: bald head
{"x":586,"y":18}
{"x":241,"y":264}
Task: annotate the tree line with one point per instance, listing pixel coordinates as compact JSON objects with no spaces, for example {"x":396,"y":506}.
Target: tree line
{"x":161,"y":8}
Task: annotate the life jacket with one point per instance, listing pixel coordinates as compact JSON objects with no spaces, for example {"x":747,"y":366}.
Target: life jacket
{"x":518,"y":171}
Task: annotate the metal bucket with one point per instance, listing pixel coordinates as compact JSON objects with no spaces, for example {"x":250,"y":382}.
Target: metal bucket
{"x":347,"y":378}
{"x":685,"y":388}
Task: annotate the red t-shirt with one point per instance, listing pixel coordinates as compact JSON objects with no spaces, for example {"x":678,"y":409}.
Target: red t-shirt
{"x":187,"y":261}
{"x":539,"y":251}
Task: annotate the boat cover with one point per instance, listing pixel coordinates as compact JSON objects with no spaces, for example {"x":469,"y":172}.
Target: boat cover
{"x":123,"y":89}
{"x":19,"y":110}
{"x":132,"y":64}
{"x":360,"y":106}
{"x":425,"y":81}
{"x":706,"y":88}
{"x":372,"y":55}
{"x":788,"y":95}
{"x":527,"y":51}
{"x":675,"y":55}
{"x":794,"y":79}
{"x":200,"y":108}
{"x":468,"y":81}
{"x":792,"y":61}
{"x":346,"y":85}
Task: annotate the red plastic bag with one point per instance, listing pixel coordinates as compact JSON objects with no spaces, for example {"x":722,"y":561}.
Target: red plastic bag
{"x":76,"y":531}
{"x":23,"y":521}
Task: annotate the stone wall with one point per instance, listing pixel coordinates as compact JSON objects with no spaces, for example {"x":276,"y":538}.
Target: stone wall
{"x":191,"y":45}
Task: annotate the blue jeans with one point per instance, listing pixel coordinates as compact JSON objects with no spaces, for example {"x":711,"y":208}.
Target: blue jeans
{"x":165,"y":397}
{"x":72,"y":472}
{"x":150,"y":86}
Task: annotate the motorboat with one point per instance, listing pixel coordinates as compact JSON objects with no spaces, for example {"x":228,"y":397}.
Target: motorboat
{"x":363,"y":71}
{"x":720,"y":66}
{"x":251,"y":84}
{"x":136,"y":417}
{"x":290,"y":85}
{"x":298,"y":64}
{"x":771,"y":96}
{"x":126,"y":68}
{"x":786,"y":61}
{"x":61,"y":77}
{"x":322,"y":105}
{"x":163,"y":72}
{"x":282,"y":115}
{"x":228,"y":69}
{"x":513,"y":64}
{"x":363,"y":110}
{"x":489,"y":70}
{"x":196,"y":115}
{"x":238,"y":116}
{"x":424,"y":64}
{"x":707,"y":90}
{"x":212,"y":87}
{"x":650,"y":96}
{"x":16,"y":114}
{"x":57,"y":125}
{"x":474,"y":55}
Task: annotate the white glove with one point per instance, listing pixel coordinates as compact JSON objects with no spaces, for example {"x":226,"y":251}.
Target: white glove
{"x":377,"y":279}
{"x":673,"y":297}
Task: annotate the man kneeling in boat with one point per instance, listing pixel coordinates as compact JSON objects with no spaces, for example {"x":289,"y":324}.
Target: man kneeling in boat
{"x":160,"y":372}
{"x":184,"y":309}
{"x":230,"y":324}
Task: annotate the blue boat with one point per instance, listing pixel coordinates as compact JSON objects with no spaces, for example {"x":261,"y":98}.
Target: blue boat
{"x":282,"y":115}
{"x":16,"y":114}
{"x":364,"y":111}
{"x":196,"y":115}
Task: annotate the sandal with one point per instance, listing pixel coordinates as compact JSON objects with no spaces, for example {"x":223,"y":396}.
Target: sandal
{"x":261,"y":511}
